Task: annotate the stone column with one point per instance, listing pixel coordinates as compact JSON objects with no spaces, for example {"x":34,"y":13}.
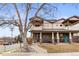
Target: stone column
{"x":57,"y":37}
{"x":70,"y":37}
{"x":40,"y":37}
{"x":52,"y":37}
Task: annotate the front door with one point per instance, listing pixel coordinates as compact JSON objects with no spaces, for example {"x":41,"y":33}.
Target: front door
{"x":66,"y":38}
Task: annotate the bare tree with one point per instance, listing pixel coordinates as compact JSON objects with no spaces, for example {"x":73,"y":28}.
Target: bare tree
{"x":23,"y":29}
{"x":23,"y":26}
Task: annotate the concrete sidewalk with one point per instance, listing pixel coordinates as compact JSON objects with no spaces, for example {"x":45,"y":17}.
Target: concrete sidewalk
{"x":42,"y":54}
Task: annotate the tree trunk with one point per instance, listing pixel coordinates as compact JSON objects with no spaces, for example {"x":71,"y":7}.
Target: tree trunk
{"x":24,"y":39}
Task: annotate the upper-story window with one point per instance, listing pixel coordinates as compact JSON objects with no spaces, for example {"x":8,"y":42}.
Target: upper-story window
{"x":66,"y":25}
{"x":60,"y":25}
{"x":37,"y":25}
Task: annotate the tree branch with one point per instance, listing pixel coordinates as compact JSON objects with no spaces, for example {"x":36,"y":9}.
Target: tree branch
{"x":39,"y":9}
{"x":4,"y":22}
{"x":28,"y":7}
{"x":18,"y":14}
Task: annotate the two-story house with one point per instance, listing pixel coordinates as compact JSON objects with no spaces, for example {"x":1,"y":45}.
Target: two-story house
{"x":54,"y":31}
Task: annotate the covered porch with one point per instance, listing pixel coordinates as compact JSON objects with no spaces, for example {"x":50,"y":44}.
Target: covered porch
{"x":54,"y":37}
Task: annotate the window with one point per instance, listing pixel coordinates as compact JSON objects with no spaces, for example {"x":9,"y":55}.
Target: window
{"x":60,"y":25}
{"x":66,"y":25}
{"x":37,"y":25}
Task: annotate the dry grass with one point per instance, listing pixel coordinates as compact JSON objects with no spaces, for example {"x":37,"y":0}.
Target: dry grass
{"x":60,"y":48}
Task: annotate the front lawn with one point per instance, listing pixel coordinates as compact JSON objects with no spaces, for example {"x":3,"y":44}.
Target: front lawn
{"x":60,"y":48}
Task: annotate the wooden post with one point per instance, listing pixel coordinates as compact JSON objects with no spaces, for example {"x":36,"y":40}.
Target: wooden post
{"x":52,"y":37}
{"x":70,"y":37}
{"x":40,"y":37}
{"x":57,"y":37}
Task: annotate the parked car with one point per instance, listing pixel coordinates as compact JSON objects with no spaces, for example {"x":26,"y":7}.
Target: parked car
{"x":7,"y":43}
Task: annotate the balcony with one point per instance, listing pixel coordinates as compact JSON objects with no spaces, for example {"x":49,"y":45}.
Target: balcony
{"x":45,"y":27}
{"x":36,"y":28}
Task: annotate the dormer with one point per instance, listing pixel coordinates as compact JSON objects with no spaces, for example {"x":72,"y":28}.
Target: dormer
{"x":36,"y":21}
{"x":71,"y":21}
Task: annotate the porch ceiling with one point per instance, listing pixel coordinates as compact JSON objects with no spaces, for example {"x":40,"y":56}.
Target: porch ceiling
{"x":55,"y":30}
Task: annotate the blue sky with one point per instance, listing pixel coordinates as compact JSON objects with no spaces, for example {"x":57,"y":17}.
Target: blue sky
{"x":63,"y":11}
{"x":66,"y":11}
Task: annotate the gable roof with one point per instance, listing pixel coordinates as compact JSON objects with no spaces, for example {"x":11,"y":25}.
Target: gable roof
{"x":48,"y":20}
{"x":55,"y":20}
{"x":74,"y":17}
{"x":69,"y":19}
{"x":42,"y":19}
{"x":32,"y":18}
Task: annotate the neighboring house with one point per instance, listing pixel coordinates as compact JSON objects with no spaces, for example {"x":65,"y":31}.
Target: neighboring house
{"x":6,"y":40}
{"x":55,"y":31}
